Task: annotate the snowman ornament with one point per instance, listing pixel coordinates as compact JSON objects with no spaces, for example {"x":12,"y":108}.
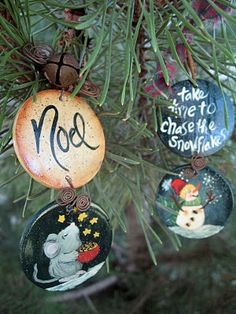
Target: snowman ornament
{"x":194,"y":207}
{"x":191,"y":213}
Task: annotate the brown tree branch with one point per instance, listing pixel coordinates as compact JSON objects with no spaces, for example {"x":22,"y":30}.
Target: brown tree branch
{"x":138,"y":257}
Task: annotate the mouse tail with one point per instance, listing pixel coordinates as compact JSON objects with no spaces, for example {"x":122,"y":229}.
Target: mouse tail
{"x":36,"y":279}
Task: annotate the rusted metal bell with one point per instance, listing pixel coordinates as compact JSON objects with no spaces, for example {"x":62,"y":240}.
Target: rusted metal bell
{"x":62,"y":70}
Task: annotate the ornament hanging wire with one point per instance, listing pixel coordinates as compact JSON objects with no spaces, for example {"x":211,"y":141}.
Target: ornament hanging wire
{"x":38,"y":53}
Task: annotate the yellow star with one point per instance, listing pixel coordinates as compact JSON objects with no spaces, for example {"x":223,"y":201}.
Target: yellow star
{"x":93,"y":221}
{"x":75,"y":209}
{"x":61,"y":218}
{"x":86,"y":231}
{"x":96,"y":234}
{"x":82,"y":216}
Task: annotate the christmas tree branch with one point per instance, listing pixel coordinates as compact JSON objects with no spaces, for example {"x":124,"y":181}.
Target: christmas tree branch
{"x":126,"y":41}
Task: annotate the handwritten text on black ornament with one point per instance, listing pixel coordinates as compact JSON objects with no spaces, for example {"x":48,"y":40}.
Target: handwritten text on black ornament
{"x":198,"y":116}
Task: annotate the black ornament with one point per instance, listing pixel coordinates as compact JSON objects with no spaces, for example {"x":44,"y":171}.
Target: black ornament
{"x":196,"y":206}
{"x":62,"y":247}
{"x":201,"y":119}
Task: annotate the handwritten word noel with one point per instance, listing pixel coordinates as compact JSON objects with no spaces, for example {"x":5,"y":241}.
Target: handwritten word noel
{"x":59,"y":138}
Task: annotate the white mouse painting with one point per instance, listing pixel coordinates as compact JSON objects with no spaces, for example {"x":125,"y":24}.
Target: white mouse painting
{"x":63,"y":251}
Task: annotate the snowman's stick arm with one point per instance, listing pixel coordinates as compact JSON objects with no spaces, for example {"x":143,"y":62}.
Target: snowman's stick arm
{"x":207,"y":203}
{"x":211,"y":198}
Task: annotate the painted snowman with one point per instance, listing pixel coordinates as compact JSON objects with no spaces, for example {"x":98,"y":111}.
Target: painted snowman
{"x":191,"y":211}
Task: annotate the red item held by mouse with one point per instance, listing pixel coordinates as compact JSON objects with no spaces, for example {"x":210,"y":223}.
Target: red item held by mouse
{"x":88,"y":252}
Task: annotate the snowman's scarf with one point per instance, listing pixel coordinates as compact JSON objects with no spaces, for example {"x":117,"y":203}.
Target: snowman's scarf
{"x":196,"y":202}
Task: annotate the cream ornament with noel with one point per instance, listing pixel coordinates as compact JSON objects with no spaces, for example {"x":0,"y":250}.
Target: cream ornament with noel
{"x":56,"y":137}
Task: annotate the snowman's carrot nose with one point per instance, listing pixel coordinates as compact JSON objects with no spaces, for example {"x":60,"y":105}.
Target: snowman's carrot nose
{"x":197,"y":188}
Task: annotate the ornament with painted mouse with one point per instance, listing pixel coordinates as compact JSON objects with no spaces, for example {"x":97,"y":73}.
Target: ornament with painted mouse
{"x":191,"y":211}
{"x":69,"y":241}
{"x":67,"y":255}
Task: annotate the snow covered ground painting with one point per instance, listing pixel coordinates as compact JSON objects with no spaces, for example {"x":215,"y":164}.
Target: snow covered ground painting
{"x":77,"y":280}
{"x":203,"y":232}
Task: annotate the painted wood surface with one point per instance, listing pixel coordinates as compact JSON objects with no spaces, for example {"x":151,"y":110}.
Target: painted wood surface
{"x":199,"y":120}
{"x":194,"y":208}
{"x":61,"y":247}
{"x":56,"y":138}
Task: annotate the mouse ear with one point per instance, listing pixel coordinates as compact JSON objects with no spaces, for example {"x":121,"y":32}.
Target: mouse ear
{"x":51,"y":246}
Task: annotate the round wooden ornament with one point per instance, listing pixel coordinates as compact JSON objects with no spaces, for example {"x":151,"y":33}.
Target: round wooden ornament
{"x":196,"y":207}
{"x":63,"y":245}
{"x":199,"y":120}
{"x":55,"y":139}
